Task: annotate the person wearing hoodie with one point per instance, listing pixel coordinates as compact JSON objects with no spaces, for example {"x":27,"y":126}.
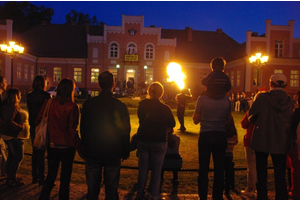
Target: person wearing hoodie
{"x":271,"y":114}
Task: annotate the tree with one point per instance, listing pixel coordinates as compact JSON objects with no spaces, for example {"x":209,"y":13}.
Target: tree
{"x":25,"y":15}
{"x":80,"y":18}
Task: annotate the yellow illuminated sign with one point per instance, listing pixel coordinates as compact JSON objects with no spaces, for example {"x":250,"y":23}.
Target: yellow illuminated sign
{"x":131,"y":57}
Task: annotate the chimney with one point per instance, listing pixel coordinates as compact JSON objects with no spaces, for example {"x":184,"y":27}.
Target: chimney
{"x":219,"y":30}
{"x":189,"y":31}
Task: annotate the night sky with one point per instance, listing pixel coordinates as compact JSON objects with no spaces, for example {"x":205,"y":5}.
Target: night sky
{"x":234,"y":17}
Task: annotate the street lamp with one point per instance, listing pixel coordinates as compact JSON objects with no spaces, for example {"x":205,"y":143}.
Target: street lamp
{"x":258,"y":61}
{"x":118,"y":67}
{"x":145,"y":70}
{"x":12,"y":50}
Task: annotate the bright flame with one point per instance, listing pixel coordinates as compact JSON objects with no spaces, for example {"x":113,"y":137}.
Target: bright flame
{"x":175,"y":74}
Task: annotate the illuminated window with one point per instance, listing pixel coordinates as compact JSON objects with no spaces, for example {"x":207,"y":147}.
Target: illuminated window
{"x":32,"y":73}
{"x":94,"y":93}
{"x":278,"y":48}
{"x":26,"y":72}
{"x":19,"y":71}
{"x":94,"y":75}
{"x":113,"y":50}
{"x":77,"y":74}
{"x":294,"y":78}
{"x":43,"y":72}
{"x":95,"y":53}
{"x":148,"y":75}
{"x":232,"y":78}
{"x":56,"y":74}
{"x":238,"y":78}
{"x":149,"y":52}
{"x":278,"y":71}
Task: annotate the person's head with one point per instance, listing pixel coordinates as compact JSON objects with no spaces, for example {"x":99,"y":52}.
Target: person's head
{"x":3,"y":84}
{"x":185,"y":91}
{"x":106,"y":80}
{"x":39,"y":82}
{"x":65,"y":90}
{"x":278,"y":80}
{"x":12,"y":96}
{"x":218,"y":64}
{"x":155,"y":90}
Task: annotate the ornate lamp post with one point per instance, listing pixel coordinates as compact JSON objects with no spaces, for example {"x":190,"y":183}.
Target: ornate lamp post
{"x":145,"y":76}
{"x":258,"y":62}
{"x":12,"y":50}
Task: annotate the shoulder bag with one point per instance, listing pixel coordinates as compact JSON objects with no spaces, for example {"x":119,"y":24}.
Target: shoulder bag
{"x":41,"y":130}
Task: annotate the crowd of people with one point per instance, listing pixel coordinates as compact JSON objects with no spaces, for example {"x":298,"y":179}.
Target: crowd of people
{"x":271,"y":123}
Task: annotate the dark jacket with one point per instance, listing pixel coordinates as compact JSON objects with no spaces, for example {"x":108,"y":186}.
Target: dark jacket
{"x":272,"y":114}
{"x":105,"y":128}
{"x":154,"y":118}
{"x":11,"y":116}
{"x":35,"y":100}
{"x":62,"y":123}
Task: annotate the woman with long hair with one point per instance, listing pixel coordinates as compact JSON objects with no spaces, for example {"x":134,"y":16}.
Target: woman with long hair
{"x":11,"y":116}
{"x":35,"y":100}
{"x":155,"y":120}
{"x":63,"y":138}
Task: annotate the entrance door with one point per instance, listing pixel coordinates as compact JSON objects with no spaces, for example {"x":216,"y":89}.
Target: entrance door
{"x":130,"y":80}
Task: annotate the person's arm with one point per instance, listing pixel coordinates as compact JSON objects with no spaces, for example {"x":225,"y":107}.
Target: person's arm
{"x":196,"y":115}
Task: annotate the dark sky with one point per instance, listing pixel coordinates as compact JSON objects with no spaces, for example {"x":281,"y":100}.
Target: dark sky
{"x":234,"y":17}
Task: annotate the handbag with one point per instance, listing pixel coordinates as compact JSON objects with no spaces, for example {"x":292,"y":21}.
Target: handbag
{"x":41,"y":130}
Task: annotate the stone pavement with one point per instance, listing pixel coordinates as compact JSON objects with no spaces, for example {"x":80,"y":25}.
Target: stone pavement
{"x":78,"y":192}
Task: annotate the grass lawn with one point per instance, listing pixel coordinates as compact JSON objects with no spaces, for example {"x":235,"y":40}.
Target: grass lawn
{"x":188,"y":151}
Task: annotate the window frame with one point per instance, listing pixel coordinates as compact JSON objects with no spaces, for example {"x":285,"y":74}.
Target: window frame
{"x":112,"y":52}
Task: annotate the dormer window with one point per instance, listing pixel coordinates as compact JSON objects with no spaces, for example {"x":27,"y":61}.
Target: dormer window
{"x":278,"y":48}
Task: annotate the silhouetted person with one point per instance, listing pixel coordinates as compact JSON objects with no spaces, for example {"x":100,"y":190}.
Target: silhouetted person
{"x":63,"y":119}
{"x":272,"y":113}
{"x":35,"y":100}
{"x":181,"y":100}
{"x":217,"y":82}
{"x":105,"y":131}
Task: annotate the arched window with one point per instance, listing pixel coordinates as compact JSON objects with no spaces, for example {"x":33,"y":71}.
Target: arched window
{"x":131,"y":49}
{"x":95,"y":53}
{"x":149,"y":51}
{"x":113,"y":50}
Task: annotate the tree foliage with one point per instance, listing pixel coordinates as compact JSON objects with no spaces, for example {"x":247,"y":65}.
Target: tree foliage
{"x":25,"y":15}
{"x":81,"y":18}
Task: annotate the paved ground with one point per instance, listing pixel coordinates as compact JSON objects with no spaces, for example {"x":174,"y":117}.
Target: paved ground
{"x":78,"y":192}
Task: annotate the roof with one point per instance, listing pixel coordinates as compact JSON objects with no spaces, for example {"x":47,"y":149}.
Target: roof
{"x":70,"y":41}
{"x":56,"y":40}
{"x":204,"y":46}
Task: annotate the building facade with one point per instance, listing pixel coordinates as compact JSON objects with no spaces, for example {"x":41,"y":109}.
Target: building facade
{"x":139,"y":55}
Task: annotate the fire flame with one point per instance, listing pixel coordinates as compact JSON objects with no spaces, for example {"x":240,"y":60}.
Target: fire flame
{"x":175,"y":74}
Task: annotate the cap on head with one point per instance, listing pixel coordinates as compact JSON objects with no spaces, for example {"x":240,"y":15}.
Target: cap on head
{"x":279,"y":79}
